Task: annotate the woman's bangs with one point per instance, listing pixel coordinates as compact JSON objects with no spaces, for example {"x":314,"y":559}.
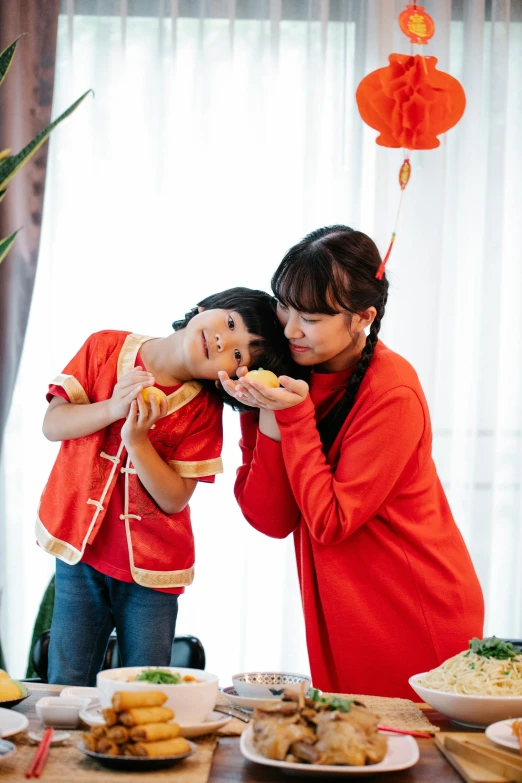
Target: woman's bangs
{"x":308,"y":288}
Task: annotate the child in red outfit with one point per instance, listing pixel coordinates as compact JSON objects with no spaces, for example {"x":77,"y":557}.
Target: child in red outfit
{"x":344,"y":462}
{"x":115,"y":509}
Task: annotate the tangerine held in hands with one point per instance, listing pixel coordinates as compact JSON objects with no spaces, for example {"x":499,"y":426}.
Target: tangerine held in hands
{"x":265,"y":377}
{"x":152,"y":390}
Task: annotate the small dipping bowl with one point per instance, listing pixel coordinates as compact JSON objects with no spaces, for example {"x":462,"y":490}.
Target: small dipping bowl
{"x":269,"y":685}
{"x":60,"y":712}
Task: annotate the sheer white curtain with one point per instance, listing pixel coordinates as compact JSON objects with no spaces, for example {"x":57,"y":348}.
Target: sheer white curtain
{"x":219,"y":134}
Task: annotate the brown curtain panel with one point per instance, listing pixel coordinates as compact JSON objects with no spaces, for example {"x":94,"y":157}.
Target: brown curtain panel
{"x":25,"y":109}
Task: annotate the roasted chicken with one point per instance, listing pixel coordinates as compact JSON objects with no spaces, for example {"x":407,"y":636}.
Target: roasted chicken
{"x":334,"y":731}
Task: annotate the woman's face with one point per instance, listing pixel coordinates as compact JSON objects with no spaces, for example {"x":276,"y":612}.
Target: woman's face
{"x":332,"y":342}
{"x":216,"y":340}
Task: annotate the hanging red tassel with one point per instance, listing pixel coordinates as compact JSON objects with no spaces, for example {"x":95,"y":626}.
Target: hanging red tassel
{"x":381,"y":270}
{"x":404,"y":178}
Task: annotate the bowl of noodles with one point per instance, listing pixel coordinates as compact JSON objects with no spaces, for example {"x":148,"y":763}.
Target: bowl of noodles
{"x":477,"y":686}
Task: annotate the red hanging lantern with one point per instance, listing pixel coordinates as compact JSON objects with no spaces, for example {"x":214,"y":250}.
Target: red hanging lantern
{"x":409,"y":101}
{"x":410,"y":104}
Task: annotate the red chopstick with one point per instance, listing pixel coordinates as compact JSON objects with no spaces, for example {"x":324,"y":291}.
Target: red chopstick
{"x":405,"y":731}
{"x":40,"y":756}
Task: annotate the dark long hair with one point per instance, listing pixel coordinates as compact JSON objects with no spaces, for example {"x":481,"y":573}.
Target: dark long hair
{"x":268,"y":348}
{"x":330,"y":271}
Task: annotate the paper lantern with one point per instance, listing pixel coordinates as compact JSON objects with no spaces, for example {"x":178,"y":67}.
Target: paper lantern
{"x":409,"y":101}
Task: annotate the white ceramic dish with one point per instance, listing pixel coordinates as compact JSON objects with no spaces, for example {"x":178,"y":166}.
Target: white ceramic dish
{"x":12,"y":722}
{"x":269,"y":685}
{"x":60,"y":712}
{"x":473,"y":711}
{"x":82,"y":693}
{"x":500,"y":732}
{"x":191,"y":702}
{"x":214,"y":722}
{"x":6,"y":749}
{"x":403,"y":752}
{"x":92,"y":716}
{"x":58,"y":738}
{"x":241,"y":701}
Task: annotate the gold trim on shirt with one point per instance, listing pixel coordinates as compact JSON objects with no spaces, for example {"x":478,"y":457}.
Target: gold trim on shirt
{"x":60,"y":549}
{"x":197,"y":469}
{"x":157,"y":579}
{"x":127,"y":360}
{"x":74,"y":389}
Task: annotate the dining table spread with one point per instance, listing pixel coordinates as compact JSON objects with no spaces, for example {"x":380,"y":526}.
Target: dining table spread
{"x":218,"y":757}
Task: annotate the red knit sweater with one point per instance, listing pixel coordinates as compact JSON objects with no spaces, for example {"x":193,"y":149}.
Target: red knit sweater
{"x":387,"y":584}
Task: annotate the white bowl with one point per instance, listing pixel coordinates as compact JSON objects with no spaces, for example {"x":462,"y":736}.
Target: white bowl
{"x":474,"y":711}
{"x":269,"y":685}
{"x":191,"y":702}
{"x":62,"y":713}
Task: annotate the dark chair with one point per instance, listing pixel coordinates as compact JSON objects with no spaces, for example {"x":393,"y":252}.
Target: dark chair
{"x":187,"y":652}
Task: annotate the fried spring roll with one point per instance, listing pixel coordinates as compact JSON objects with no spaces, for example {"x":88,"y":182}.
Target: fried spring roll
{"x":118,"y":734}
{"x":153,"y":732}
{"x":99,"y":731}
{"x":126,"y":700}
{"x":107,"y":747}
{"x":109,"y":716}
{"x":89,"y":741}
{"x":171,"y":747}
{"x":139,"y":715}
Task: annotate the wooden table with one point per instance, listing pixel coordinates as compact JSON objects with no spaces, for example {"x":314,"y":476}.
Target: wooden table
{"x":229,"y":766}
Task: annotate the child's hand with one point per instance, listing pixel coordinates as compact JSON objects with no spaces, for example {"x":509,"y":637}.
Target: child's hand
{"x":127,"y":389}
{"x":140,"y":419}
{"x":230,"y":385}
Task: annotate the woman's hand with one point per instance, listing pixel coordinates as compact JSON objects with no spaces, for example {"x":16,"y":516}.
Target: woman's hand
{"x":255,"y":394}
{"x":140,"y":419}
{"x":127,"y":389}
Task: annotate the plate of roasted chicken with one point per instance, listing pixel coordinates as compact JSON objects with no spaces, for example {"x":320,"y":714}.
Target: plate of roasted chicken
{"x":324,"y":736}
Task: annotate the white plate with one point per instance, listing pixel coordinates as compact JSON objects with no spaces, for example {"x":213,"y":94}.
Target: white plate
{"x":214,"y":722}
{"x":92,"y":716}
{"x":403,"y":752}
{"x":11,"y":722}
{"x":501,"y":733}
{"x":242,"y":701}
{"x":58,"y":738}
{"x":81,"y":693}
{"x":6,"y":749}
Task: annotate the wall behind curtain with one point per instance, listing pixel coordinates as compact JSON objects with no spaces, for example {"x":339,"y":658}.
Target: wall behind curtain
{"x":215,"y":141}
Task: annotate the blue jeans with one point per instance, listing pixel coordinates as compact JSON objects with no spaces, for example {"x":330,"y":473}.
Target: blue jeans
{"x":88,"y":606}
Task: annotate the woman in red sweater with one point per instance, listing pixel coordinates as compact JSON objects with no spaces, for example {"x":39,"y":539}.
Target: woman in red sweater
{"x":344,"y":462}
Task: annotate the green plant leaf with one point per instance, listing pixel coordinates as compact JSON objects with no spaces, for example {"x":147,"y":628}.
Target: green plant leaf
{"x":6,"y":58}
{"x":11,"y":165}
{"x":6,"y":244}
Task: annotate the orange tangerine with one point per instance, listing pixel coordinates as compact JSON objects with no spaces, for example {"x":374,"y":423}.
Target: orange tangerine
{"x":266,"y":377}
{"x":146,"y":393}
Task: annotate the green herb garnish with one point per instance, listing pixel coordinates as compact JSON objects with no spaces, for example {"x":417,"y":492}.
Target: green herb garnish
{"x":159,"y":677}
{"x":332,"y":702}
{"x":492,"y":647}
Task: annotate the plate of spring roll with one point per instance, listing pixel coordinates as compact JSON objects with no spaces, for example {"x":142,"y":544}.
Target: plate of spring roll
{"x":138,"y":733}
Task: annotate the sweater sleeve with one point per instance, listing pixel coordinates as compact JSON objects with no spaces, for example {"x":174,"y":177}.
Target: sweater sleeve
{"x":262,"y":488}
{"x":379,"y":452}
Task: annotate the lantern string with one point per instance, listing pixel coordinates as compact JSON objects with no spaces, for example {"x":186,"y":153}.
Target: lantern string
{"x":380,"y":272}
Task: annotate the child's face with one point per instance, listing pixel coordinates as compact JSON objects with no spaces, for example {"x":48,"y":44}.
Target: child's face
{"x":216,"y":340}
